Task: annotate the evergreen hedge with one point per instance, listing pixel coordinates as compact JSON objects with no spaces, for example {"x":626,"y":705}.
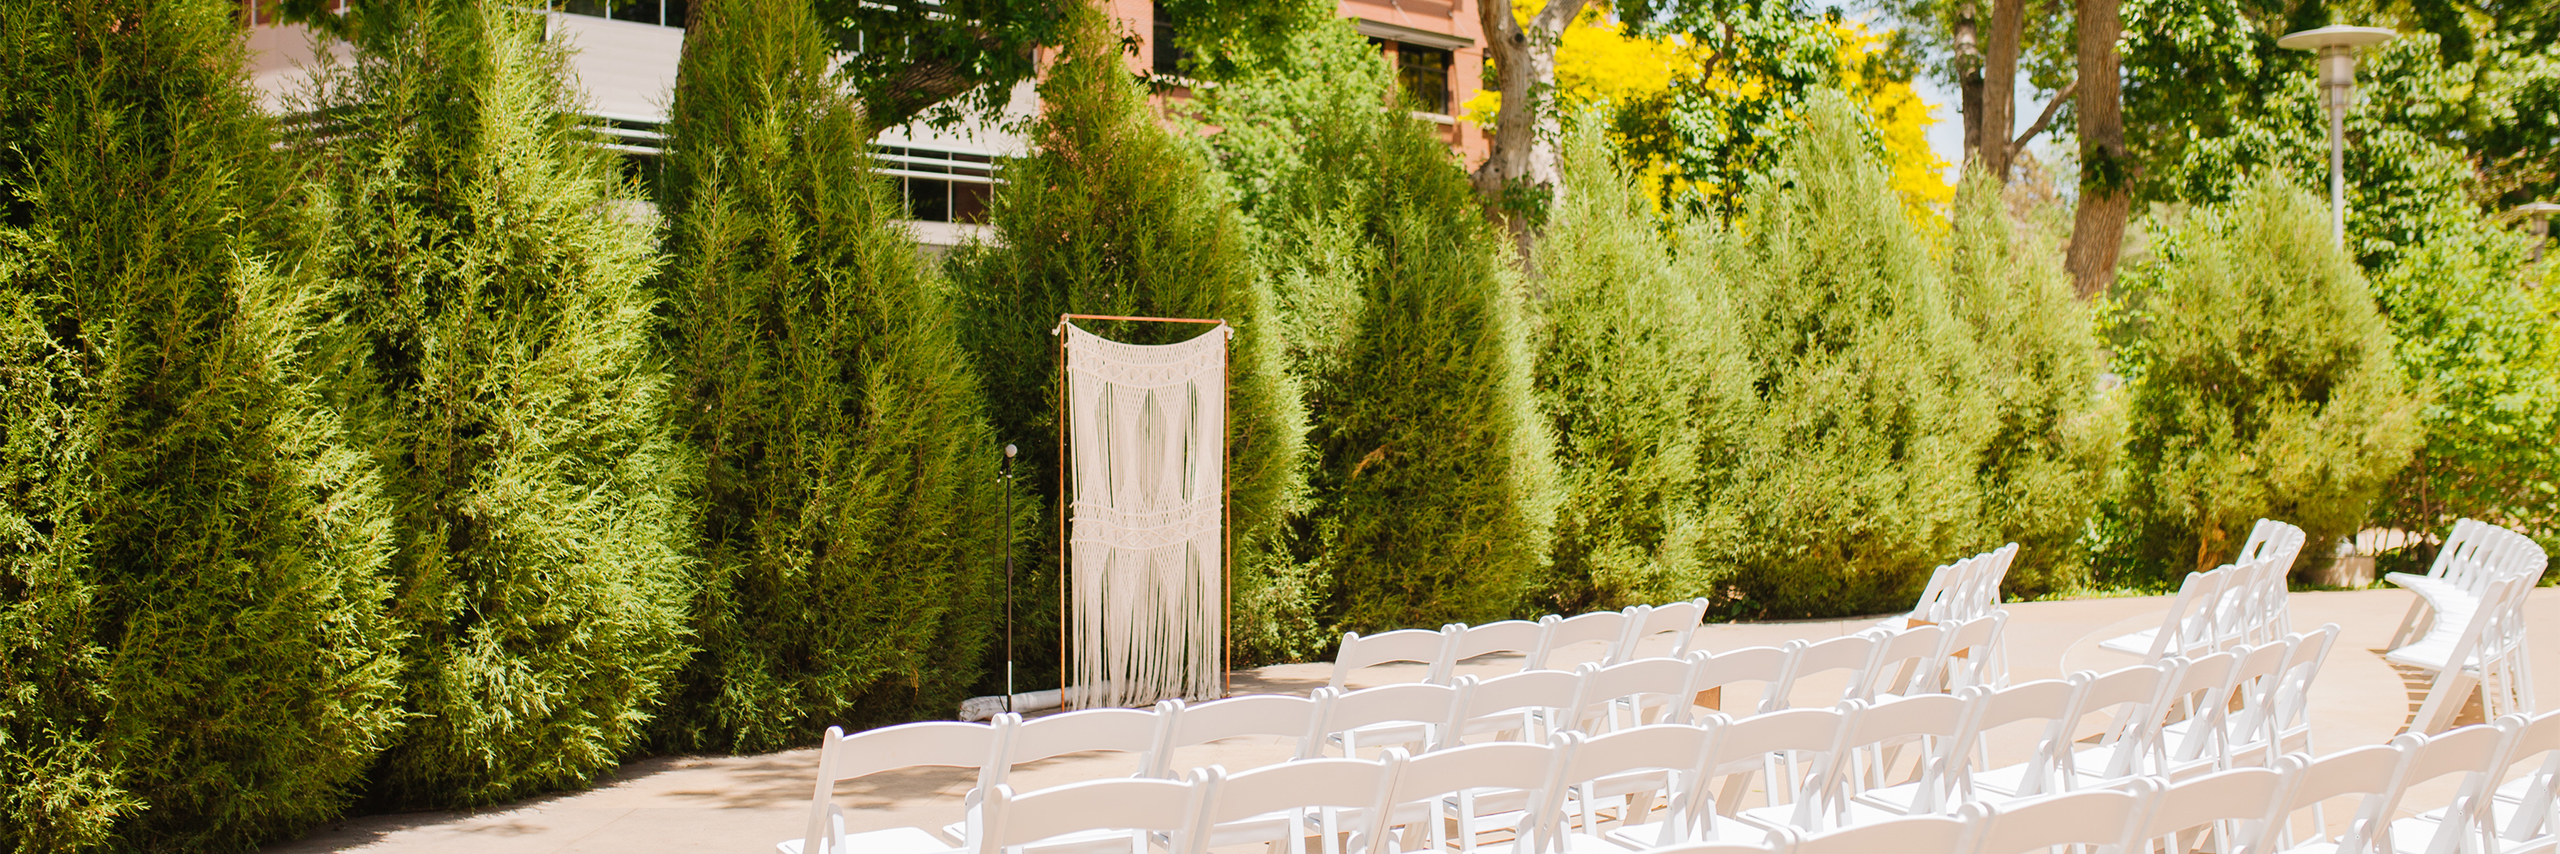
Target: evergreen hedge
{"x":1113,"y":215}
{"x":2263,"y":384}
{"x":850,"y":513}
{"x":494,"y":354}
{"x":191,"y":556}
{"x":1856,"y":461}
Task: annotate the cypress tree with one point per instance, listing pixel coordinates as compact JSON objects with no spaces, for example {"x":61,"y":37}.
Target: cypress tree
{"x":1113,"y":215}
{"x":1626,"y":356}
{"x":2262,"y":385}
{"x":495,"y":355}
{"x":1436,"y":476}
{"x":849,"y":513}
{"x":2036,"y":344}
{"x":1856,"y":469}
{"x":191,"y":573}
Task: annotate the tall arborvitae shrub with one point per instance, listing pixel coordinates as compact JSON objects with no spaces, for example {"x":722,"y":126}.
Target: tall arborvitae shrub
{"x":1436,"y":476}
{"x":2262,"y":384}
{"x":1625,"y":356}
{"x":496,"y":358}
{"x":201,"y":548}
{"x":2055,"y":432}
{"x":1112,"y":215}
{"x":1856,"y":469}
{"x":850,"y":517}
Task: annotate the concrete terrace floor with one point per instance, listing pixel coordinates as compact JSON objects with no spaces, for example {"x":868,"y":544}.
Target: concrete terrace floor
{"x":746,"y":803}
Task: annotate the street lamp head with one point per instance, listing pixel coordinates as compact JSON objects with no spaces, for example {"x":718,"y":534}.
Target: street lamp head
{"x":2337,"y":49}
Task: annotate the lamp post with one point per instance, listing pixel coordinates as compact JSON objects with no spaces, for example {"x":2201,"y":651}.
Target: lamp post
{"x":2539,"y":216}
{"x":2337,"y":49}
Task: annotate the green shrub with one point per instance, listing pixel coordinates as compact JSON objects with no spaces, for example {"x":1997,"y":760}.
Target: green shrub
{"x":1625,"y":354}
{"x":2056,"y":434}
{"x":495,"y":356}
{"x":1113,"y":215}
{"x":2262,"y":384}
{"x":1856,"y":459}
{"x":198,"y":656}
{"x":848,"y":498}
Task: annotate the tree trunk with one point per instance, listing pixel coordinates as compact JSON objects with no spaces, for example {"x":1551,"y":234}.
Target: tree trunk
{"x":1999,"y":89}
{"x":1520,"y":180}
{"x":2097,"y":228}
{"x":1968,"y":68}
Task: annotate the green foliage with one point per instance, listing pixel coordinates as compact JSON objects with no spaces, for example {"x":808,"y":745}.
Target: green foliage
{"x":1626,"y":349}
{"x":1721,"y":131}
{"x":2055,"y":437}
{"x":494,"y":355}
{"x":1857,"y":459}
{"x":1115,"y":216}
{"x":2473,"y":331}
{"x":849,"y":506}
{"x":191,"y":585}
{"x":2262,"y":382}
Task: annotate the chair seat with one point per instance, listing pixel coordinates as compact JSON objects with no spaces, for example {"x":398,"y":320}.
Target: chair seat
{"x":1409,"y":735}
{"x":2429,"y":653}
{"x":2137,"y":643}
{"x":895,"y":840}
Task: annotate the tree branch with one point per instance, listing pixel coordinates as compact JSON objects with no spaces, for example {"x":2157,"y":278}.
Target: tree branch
{"x":2050,"y":108}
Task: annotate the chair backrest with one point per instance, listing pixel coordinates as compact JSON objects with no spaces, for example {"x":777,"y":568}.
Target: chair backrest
{"x":1945,"y":584}
{"x":929,"y":743}
{"x":2257,"y":682}
{"x":1136,"y":805}
{"x":1608,"y":628}
{"x":2200,"y":693}
{"x":1087,"y":730}
{"x":1430,"y":777}
{"x":2536,"y":749}
{"x":1676,"y":753}
{"x":1520,"y":637}
{"x":1915,"y":835}
{"x":1764,"y":665}
{"x":1401,"y":703}
{"x":2106,"y":819}
{"x":1906,"y":662}
{"x":2292,"y":711}
{"x":1981,"y":594}
{"x":2476,"y":752}
{"x":2130,"y":698}
{"x":2461,"y":541}
{"x":1972,"y":652}
{"x":1549,"y":692}
{"x":1334,"y":785}
{"x":1678,"y":619}
{"x":1855,"y":654}
{"x":2189,"y":624}
{"x":2046,"y":709}
{"x":1635,"y":681}
{"x":1936,"y":722}
{"x":2364,"y":773}
{"x":2233,"y":802}
{"x":1429,"y":648}
{"x":1278,"y":715}
{"x":1771,"y":744}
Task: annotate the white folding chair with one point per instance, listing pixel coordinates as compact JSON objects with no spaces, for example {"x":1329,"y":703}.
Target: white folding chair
{"x":1764,"y":667}
{"x":2457,"y":558}
{"x":2102,"y":820}
{"x":2184,"y":735}
{"x":2477,"y":753}
{"x":2249,"y":736}
{"x":1526,"y":706}
{"x":1281,"y":804}
{"x":2217,"y":812}
{"x":2188,"y":627}
{"x":1508,"y":637}
{"x":1774,"y":747}
{"x":2364,"y":773}
{"x":1410,"y":715}
{"x":1609,"y":629}
{"x":1624,"y":695}
{"x":2037,"y":716}
{"x":1617,"y":779}
{"x":1981,"y":594}
{"x":2290,"y":714}
{"x":1938,"y":601}
{"x":2525,"y":812}
{"x":1853,"y":654}
{"x":1679,"y":620}
{"x":2130,"y":701}
{"x":1431,"y":649}
{"x":1274,"y":715}
{"x":1092,"y":817}
{"x":1905,"y":663}
{"x":1438,"y":792}
{"x":1934,"y":834}
{"x":1081,"y":731}
{"x":1865,"y":779}
{"x":842,"y":758}
{"x":1973,"y":653}
{"x":2478,"y":654}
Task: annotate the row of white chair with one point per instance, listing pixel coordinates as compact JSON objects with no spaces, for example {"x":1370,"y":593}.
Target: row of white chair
{"x":1962,"y":590}
{"x":2468,"y":625}
{"x":1619,"y":632}
{"x":1539,"y":704}
{"x":2243,"y":602}
{"x":1646,"y":790}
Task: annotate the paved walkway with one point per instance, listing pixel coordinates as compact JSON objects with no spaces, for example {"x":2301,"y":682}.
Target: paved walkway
{"x":746,"y":803}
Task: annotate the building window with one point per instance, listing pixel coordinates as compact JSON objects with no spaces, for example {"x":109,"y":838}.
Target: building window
{"x":664,"y":13}
{"x":1424,"y":72}
{"x":1168,"y":56}
{"x":940,"y":186}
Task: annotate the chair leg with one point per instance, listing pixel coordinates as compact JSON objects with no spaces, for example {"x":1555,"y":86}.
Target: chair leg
{"x":2452,"y":688}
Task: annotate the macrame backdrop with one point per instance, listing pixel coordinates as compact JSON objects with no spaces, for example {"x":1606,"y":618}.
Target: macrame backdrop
{"x":1146,"y":430}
